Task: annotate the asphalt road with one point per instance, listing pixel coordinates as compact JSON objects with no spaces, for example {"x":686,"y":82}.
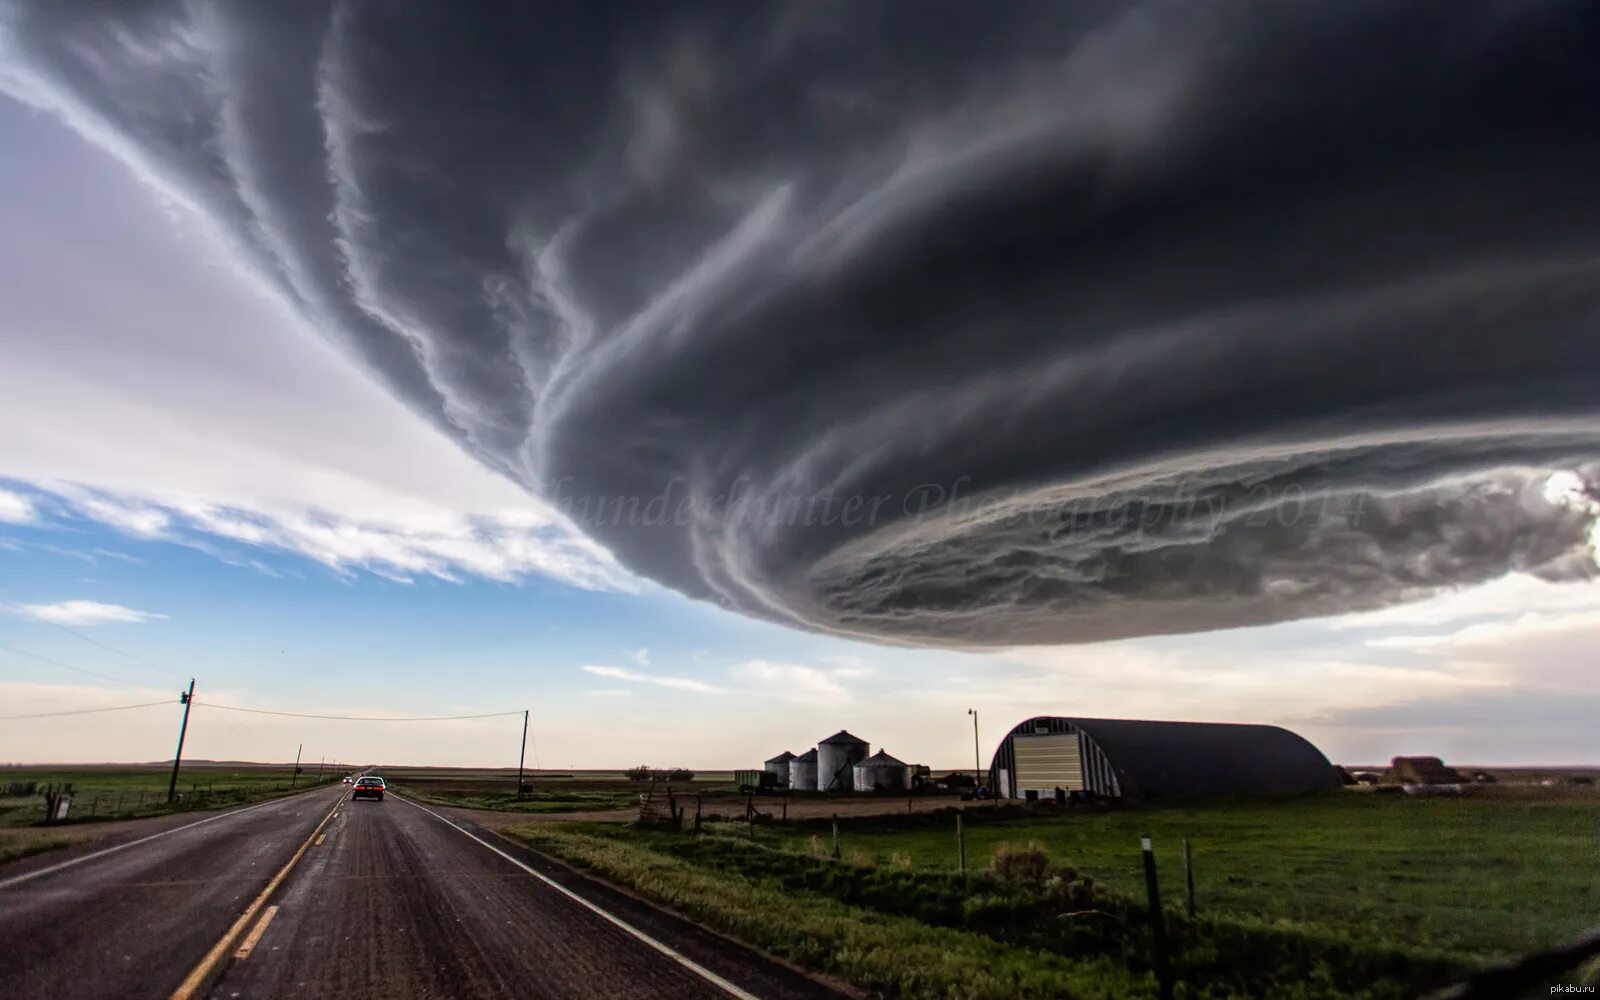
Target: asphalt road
{"x":319,"y":896}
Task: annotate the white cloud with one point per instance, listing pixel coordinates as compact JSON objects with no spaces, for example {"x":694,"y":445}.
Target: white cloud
{"x":1512,"y":594}
{"x":642,"y":657}
{"x":635,"y":677}
{"x":84,"y":613}
{"x":1136,"y":680}
{"x":798,"y":682}
{"x":15,"y":508}
{"x":504,"y":546}
{"x":264,"y":436}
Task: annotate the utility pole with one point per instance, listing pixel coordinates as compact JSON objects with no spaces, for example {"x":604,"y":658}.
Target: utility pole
{"x":320,"y":765}
{"x":187,"y":698}
{"x":977,"y":767}
{"x":296,"y":773}
{"x":524,"y":756}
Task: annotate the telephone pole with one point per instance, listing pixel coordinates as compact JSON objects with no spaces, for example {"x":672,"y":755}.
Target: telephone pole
{"x":524,"y":756}
{"x":187,"y":697}
{"x":295,"y":776}
{"x":977,"y":764}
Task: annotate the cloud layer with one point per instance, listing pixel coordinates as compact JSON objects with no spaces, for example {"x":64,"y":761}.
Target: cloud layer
{"x":925,"y":323}
{"x":84,"y":613}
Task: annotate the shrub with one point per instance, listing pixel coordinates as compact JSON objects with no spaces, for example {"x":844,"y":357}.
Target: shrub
{"x":1021,"y":864}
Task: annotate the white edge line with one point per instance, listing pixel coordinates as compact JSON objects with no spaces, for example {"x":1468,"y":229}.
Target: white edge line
{"x":25,"y":876}
{"x":666,"y":950}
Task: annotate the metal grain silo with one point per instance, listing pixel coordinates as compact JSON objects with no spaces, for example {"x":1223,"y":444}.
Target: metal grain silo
{"x":836,"y":755}
{"x":882,"y":773}
{"x":803,"y":772}
{"x":778,"y":767}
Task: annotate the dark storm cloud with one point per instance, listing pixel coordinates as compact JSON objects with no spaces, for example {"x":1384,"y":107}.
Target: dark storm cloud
{"x":940,"y":323}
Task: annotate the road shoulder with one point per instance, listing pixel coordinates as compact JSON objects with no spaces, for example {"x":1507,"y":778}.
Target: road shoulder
{"x":751,"y":968}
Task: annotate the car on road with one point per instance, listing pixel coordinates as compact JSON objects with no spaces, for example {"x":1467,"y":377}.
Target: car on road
{"x":368,"y":788}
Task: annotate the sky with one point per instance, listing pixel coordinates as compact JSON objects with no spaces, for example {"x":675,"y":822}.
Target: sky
{"x":349,"y":373}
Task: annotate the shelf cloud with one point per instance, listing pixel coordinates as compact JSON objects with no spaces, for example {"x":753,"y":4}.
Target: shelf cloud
{"x":930,"y":323}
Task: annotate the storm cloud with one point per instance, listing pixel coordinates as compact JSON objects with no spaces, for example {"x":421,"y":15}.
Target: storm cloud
{"x":949,"y":324}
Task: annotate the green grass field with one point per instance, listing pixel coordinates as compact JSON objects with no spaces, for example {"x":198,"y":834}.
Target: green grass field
{"x":1491,"y":876}
{"x":563,"y":792}
{"x":128,"y":792}
{"x":1347,"y":894}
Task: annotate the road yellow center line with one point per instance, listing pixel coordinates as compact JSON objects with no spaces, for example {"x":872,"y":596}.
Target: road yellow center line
{"x":254,"y":937}
{"x":320,"y":839}
{"x":200,"y":973}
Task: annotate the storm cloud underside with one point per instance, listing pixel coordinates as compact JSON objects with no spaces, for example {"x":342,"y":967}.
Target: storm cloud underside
{"x":946,"y":324}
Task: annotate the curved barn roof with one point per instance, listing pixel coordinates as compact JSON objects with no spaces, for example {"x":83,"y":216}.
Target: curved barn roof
{"x":1155,"y":758}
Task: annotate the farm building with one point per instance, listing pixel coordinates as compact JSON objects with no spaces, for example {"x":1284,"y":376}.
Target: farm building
{"x":803,"y":772}
{"x":882,"y":773}
{"x":778,"y":767}
{"x":837,"y":756}
{"x":1421,"y":771}
{"x":1125,"y":758}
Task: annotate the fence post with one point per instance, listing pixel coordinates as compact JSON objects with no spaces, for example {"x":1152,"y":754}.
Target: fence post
{"x":961,"y":845}
{"x":1158,"y":927}
{"x":836,"y":837}
{"x":1188,"y":875}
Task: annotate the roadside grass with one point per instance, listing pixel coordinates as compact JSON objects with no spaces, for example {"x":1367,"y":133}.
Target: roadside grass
{"x":895,"y":955}
{"x":22,"y":842}
{"x":538,"y":801}
{"x":114,"y":793}
{"x":1339,"y":895}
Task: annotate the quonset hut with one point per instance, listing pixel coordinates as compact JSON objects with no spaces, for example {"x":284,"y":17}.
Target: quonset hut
{"x":1127,"y":758}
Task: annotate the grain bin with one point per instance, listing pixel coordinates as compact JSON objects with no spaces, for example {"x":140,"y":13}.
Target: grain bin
{"x":778,"y":767}
{"x":836,"y":755}
{"x":882,"y":773}
{"x":803,"y":772}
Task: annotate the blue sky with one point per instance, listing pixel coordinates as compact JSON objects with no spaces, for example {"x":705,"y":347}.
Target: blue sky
{"x":252,"y":510}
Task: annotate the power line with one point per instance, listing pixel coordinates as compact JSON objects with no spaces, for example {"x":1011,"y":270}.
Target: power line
{"x":120,"y":652}
{"x":358,"y":718}
{"x":87,"y":711}
{"x":64,"y":666}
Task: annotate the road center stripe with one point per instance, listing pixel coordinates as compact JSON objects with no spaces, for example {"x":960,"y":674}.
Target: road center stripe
{"x":672,"y":953}
{"x":254,"y":937}
{"x":198,"y":975}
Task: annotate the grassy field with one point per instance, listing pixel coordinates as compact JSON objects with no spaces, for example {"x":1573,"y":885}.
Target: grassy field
{"x":120,"y":792}
{"x":551,"y":792}
{"x":1348,"y":894}
{"x":1491,"y":875}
